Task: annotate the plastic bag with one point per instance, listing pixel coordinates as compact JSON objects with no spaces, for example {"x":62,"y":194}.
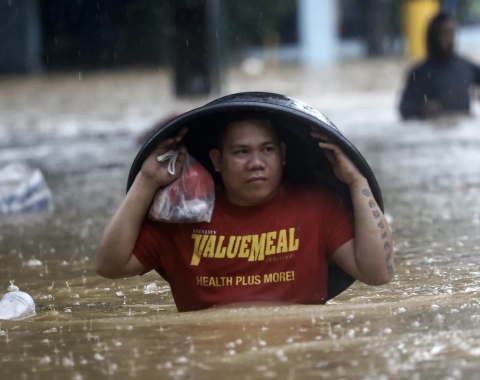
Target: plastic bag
{"x":16,"y":305}
{"x":23,"y":190}
{"x":189,"y":199}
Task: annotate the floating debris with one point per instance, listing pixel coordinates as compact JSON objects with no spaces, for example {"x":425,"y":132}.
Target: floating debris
{"x":32,"y":263}
{"x":16,"y":305}
{"x":150,"y":288}
{"x":12,"y":287}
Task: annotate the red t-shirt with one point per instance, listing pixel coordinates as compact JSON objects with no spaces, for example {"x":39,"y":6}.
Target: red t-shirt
{"x":277,"y":251}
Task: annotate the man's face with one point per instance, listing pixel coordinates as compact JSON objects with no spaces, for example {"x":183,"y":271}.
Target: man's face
{"x":446,"y":37}
{"x":250,"y":162}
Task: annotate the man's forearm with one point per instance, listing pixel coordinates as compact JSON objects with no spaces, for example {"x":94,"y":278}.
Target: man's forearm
{"x":119,"y":237}
{"x":373,"y":239}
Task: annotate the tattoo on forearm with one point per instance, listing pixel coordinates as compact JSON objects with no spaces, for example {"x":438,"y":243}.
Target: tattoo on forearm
{"x":389,"y":266}
{"x":376,"y":215}
{"x":366,"y":192}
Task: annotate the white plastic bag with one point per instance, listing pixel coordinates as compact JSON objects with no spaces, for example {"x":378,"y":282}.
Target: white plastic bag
{"x":16,"y":305}
{"x":189,"y":199}
{"x":23,"y":190}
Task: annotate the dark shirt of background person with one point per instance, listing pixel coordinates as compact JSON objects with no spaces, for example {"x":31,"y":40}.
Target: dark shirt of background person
{"x":444,"y":82}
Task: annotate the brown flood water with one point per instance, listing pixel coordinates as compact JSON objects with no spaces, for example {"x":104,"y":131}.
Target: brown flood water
{"x":423,"y":325}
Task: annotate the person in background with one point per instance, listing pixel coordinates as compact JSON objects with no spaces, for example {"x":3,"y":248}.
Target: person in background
{"x":443,"y":83}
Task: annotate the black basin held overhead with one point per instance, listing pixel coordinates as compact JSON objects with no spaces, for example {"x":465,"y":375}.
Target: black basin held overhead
{"x":294,"y":119}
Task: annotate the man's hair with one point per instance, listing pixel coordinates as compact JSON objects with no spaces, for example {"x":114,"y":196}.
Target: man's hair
{"x":222,"y":130}
{"x":433,"y":41}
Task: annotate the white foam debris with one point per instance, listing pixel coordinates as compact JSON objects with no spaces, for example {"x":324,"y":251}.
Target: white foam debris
{"x":281,"y":356}
{"x":45,"y":360}
{"x":12,"y":287}
{"x":120,"y":294}
{"x":181,"y":359}
{"x":270,"y":374}
{"x":32,"y":263}
{"x":437,"y":348}
{"x":150,"y":288}
{"x":98,"y":356}
{"x":68,"y":362}
{"x":320,"y":364}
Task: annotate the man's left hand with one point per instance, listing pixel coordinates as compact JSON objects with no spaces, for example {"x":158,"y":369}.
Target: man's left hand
{"x":343,"y":167}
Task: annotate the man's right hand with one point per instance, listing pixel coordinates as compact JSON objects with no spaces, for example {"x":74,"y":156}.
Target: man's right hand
{"x":155,"y":173}
{"x":115,"y":258}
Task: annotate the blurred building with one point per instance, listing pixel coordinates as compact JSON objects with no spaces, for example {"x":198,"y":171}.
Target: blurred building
{"x":56,"y":35}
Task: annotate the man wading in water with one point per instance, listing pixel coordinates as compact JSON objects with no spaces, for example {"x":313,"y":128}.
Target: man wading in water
{"x":268,"y":241}
{"x":444,"y":82}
